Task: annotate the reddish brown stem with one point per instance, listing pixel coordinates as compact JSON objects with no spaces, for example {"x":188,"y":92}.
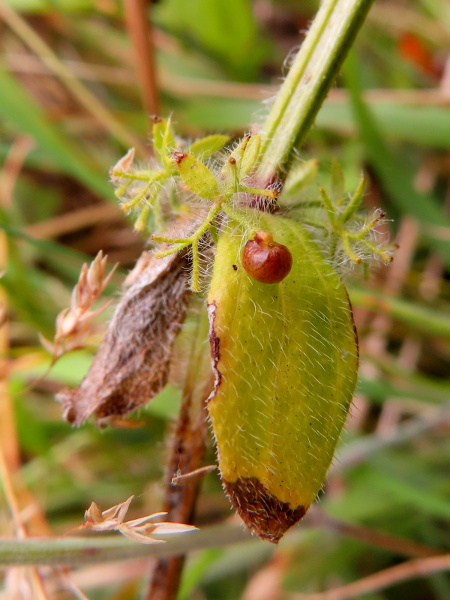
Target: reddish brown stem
{"x":187,"y":451}
{"x":179,"y":501}
{"x":140,"y":31}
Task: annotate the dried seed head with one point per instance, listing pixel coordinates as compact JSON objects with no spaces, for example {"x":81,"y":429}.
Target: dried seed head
{"x":266,"y":260}
{"x":75,"y":324}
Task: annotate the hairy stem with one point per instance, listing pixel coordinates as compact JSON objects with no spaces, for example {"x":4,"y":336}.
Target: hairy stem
{"x":308,"y":81}
{"x":85,"y":551}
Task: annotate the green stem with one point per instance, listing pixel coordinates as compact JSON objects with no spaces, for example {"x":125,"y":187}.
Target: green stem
{"x":308,"y":81}
{"x":84,"y":550}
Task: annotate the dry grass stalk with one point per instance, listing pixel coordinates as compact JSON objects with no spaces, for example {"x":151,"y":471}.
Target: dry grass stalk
{"x":76,"y":323}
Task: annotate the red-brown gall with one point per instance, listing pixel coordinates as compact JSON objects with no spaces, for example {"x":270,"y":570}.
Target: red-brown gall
{"x":266,"y":260}
{"x":178,"y":156}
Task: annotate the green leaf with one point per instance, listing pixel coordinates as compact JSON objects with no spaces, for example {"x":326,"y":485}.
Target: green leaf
{"x":163,"y":140}
{"x":250,"y":155}
{"x":240,"y":163}
{"x":285,"y":360}
{"x":207,"y":146}
{"x":196,"y":176}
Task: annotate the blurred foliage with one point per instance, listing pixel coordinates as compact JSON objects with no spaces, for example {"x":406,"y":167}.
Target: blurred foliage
{"x":217,"y":61}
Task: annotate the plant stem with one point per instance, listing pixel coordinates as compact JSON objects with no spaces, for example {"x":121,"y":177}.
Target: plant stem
{"x":88,"y":550}
{"x":308,"y":81}
{"x":186,"y":455}
{"x":140,"y":33}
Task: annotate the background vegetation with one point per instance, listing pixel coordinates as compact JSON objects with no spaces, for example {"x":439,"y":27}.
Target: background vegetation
{"x":75,"y":94}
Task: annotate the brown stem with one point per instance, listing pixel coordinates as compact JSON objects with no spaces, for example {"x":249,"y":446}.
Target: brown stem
{"x":140,"y":32}
{"x":186,"y":455}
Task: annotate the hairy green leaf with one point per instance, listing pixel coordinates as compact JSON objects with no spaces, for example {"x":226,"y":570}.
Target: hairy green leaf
{"x":285,"y":362}
{"x":207,"y":146}
{"x":196,"y":176}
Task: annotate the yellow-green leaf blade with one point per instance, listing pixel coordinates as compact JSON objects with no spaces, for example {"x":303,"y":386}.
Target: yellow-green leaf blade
{"x":163,"y":140}
{"x":196,"y":176}
{"x":205,"y":147}
{"x":285,"y":357}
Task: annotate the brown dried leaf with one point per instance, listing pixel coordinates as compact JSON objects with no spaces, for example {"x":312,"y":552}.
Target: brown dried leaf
{"x":131,"y":366}
{"x":106,"y":520}
{"x":142,"y":533}
{"x":123,"y":165}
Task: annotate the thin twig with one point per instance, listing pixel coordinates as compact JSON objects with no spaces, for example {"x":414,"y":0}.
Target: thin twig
{"x":412,"y":569}
{"x":140,"y":33}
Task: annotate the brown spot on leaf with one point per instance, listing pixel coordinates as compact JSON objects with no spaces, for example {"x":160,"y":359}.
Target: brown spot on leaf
{"x":214,"y":342}
{"x":260,"y":510}
{"x":355,"y":331}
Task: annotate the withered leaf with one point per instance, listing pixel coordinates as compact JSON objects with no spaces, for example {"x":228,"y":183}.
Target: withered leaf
{"x":131,"y":366}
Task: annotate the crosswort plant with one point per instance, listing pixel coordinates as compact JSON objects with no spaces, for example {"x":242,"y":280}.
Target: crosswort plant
{"x":282,"y":339}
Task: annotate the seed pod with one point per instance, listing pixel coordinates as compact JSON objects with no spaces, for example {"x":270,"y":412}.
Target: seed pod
{"x":285,"y":364}
{"x":266,"y":260}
